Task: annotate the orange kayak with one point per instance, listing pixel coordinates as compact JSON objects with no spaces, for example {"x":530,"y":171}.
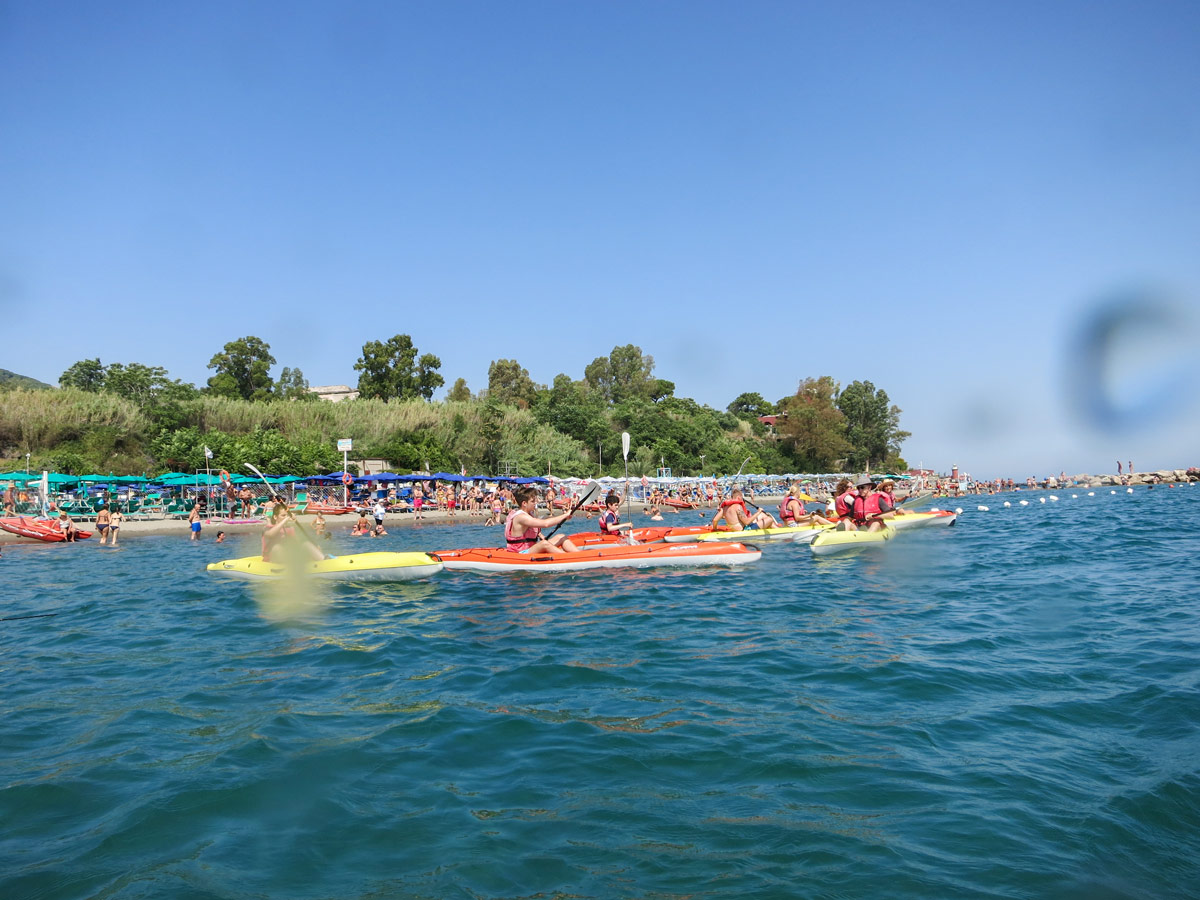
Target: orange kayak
{"x":641,"y":535}
{"x":603,"y":556}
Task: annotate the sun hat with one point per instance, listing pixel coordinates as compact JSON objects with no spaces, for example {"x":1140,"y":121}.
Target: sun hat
{"x":866,"y":479}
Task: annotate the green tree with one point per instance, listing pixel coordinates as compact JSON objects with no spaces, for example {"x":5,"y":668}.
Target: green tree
{"x":243,"y":369}
{"x":292,"y":385}
{"x":391,"y":370}
{"x":872,"y":424}
{"x":87,"y":375}
{"x":624,"y":374}
{"x":750,"y":406}
{"x":569,"y":407}
{"x":814,"y":429}
{"x":509,"y":383}
{"x":460,"y":393}
{"x":135,"y":381}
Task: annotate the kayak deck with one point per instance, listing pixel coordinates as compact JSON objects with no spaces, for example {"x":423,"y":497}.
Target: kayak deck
{"x":352,"y":567}
{"x":833,"y":541}
{"x":489,"y":559}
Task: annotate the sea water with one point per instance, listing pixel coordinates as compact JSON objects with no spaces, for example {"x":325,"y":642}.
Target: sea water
{"x":1006,"y":708}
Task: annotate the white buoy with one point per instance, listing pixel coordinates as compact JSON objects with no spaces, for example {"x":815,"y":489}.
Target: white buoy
{"x":982,"y":508}
{"x":958,"y":512}
{"x":1074,"y":496}
{"x":1053,"y":498}
{"x":1112,"y":492}
{"x":1129,"y":490}
{"x":1024,"y":502}
{"x":1043,"y":499}
{"x":1006,"y":503}
{"x":1091,"y":493}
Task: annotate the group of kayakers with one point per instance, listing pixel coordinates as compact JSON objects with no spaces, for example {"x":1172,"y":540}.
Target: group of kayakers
{"x":860,"y":506}
{"x":854,"y":506}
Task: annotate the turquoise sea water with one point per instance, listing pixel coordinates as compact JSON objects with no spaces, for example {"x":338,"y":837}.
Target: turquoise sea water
{"x":1006,"y":708}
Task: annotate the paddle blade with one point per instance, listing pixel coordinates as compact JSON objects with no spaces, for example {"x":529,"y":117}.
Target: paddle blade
{"x":589,"y":494}
{"x":625,"y":445}
{"x":805,"y":498}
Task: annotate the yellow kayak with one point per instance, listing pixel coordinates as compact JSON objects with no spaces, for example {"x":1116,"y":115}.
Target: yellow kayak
{"x":834,"y":541}
{"x":352,"y":567}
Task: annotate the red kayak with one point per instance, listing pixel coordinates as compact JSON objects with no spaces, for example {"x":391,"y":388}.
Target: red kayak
{"x":323,"y":509}
{"x":680,"y":504}
{"x":39,"y":529}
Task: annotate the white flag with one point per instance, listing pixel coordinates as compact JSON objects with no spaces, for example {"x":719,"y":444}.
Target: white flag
{"x":207,"y":452}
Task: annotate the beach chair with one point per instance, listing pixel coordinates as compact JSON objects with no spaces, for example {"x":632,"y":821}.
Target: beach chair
{"x":301,"y":504}
{"x":152,"y":507}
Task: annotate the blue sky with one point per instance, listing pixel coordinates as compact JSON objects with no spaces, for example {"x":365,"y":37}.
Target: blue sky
{"x":932,"y":196}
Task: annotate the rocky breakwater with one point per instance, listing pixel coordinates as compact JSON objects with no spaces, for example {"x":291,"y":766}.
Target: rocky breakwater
{"x":1162,"y":476}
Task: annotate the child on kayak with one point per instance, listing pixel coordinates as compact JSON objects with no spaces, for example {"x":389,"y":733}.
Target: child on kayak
{"x":523,"y":530}
{"x":610,"y":522}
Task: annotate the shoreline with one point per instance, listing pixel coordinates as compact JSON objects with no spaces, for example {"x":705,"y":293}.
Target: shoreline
{"x":210,"y":527}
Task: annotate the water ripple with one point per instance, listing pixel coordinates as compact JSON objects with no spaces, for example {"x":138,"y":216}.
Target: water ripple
{"x":1008,"y":708}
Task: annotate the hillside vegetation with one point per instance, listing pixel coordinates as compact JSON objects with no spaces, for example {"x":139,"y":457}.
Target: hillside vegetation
{"x":130,"y":419}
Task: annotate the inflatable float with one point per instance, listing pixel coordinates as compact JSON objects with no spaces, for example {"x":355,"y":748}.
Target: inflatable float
{"x":39,"y":529}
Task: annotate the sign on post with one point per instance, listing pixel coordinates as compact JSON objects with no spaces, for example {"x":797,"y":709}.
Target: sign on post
{"x":345,"y":445}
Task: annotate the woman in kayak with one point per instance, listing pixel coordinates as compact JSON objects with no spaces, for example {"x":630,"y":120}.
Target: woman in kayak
{"x":792,"y":512}
{"x":523,"y":530}
{"x":843,"y":501}
{"x":281,"y":531}
{"x":887,"y":500}
{"x":736,"y":517}
{"x":610,"y":522}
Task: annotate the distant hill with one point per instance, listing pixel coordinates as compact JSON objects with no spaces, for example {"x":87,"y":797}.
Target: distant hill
{"x":10,"y":380}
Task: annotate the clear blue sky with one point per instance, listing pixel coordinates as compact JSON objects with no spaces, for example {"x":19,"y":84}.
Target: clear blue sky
{"x":930,"y":196}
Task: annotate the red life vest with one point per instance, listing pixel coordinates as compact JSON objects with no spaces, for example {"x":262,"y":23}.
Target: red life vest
{"x":528,"y":539}
{"x":843,"y":506}
{"x":725,"y":504}
{"x":865,"y":507}
{"x":609,"y":522}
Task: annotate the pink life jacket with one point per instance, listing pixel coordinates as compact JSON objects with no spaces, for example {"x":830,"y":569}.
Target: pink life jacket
{"x":785,"y":510}
{"x":843,"y":506}
{"x":531,"y":536}
{"x":607,"y":526}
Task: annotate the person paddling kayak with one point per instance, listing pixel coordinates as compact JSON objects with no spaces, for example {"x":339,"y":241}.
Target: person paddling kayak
{"x":736,"y":517}
{"x":280,"y":531}
{"x":523,"y":530}
{"x":792,"y":512}
{"x":864,"y":511}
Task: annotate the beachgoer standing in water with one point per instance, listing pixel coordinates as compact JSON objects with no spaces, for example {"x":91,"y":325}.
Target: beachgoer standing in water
{"x":103,"y":520}
{"x":114,"y":526}
{"x":194,"y":521}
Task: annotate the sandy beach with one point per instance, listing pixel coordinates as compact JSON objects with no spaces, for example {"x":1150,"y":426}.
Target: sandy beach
{"x":135,"y":528}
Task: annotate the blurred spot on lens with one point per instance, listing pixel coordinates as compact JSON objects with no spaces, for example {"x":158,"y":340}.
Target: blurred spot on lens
{"x":1129,"y":365}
